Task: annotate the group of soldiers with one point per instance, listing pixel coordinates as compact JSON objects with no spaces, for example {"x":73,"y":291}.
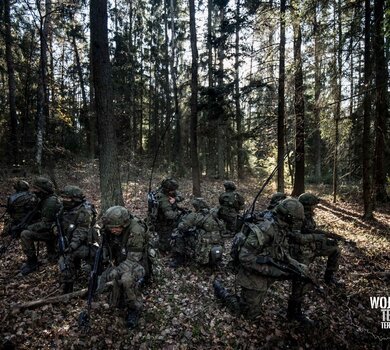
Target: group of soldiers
{"x":276,"y":244}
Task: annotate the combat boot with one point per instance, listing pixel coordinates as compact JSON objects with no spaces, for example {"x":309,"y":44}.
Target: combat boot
{"x":132,"y":318}
{"x":30,"y":266}
{"x":294,"y":313}
{"x":67,"y":287}
{"x":330,"y":280}
{"x":177,"y":261}
{"x":230,"y":300}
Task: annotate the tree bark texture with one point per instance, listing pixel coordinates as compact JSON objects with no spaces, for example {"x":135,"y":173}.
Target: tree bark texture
{"x":110,"y":184}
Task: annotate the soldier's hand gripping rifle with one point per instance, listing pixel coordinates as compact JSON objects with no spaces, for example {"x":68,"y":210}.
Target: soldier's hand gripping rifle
{"x":292,"y":269}
{"x":62,"y":243}
{"x":84,"y":316}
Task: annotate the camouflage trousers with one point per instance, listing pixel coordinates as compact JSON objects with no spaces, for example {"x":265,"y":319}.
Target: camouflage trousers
{"x":195,"y":245}
{"x":70,"y":262}
{"x":164,"y":242}
{"x":231,"y":222}
{"x":251,"y":299}
{"x":27,"y":239}
{"x":127,"y":278}
{"x":307,"y":255}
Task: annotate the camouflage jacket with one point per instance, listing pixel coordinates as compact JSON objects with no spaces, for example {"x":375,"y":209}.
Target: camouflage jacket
{"x":264,"y":239}
{"x":168,"y":213}
{"x":309,"y":225}
{"x":76,"y":223}
{"x":48,"y":209}
{"x":130,"y":247}
{"x":205,"y":222}
{"x":19,"y":204}
{"x":231,"y":202}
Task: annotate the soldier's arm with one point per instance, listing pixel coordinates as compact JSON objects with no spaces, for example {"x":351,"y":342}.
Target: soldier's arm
{"x":252,"y":248}
{"x":168,"y":210}
{"x":80,"y":234}
{"x":48,"y":215}
{"x":187,"y":222}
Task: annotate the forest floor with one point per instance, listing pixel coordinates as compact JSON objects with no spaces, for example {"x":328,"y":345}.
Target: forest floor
{"x":180,"y":310}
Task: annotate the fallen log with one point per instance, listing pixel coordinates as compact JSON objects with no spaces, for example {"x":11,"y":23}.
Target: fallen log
{"x":63,"y":298}
{"x":374,"y":275}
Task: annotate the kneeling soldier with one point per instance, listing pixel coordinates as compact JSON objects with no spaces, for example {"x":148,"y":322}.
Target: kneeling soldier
{"x":42,"y":230}
{"x":126,"y":244}
{"x":76,"y":219}
{"x":199,"y":236}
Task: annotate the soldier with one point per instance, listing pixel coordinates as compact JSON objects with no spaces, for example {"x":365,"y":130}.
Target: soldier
{"x":42,"y":230}
{"x":20,"y":207}
{"x":199,"y":236}
{"x":168,"y":213}
{"x":262,"y":258}
{"x":126,"y":240}
{"x":231,"y":202}
{"x":76,"y":219}
{"x":268,"y":214}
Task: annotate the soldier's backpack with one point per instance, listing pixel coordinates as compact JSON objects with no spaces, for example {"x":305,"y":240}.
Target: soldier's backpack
{"x":21,"y":203}
{"x":240,"y":238}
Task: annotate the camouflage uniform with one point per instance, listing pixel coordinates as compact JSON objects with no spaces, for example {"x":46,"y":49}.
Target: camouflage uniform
{"x":168,"y":212}
{"x":19,"y":205}
{"x":263,"y":241}
{"x":198,"y":235}
{"x":127,"y":246}
{"x":42,"y":230}
{"x":77,"y":219}
{"x":310,"y":243}
{"x":231,"y":202}
{"x":268,"y":214}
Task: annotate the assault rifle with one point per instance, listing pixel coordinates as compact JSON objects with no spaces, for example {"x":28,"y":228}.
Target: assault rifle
{"x":84,"y":316}
{"x":62,"y":244}
{"x":291,"y":269}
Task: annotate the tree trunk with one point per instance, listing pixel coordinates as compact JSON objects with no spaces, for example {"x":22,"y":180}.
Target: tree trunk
{"x":110,"y":184}
{"x":337,"y":83}
{"x":317,"y":92}
{"x":381,"y":104}
{"x":194,"y":104}
{"x":366,"y":142}
{"x":281,"y":100}
{"x":240,"y":151}
{"x":299,"y":106}
{"x":13,"y":121}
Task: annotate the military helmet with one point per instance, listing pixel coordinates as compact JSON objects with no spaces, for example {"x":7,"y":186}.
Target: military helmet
{"x":308,"y":199}
{"x":229,"y":185}
{"x":43,"y":184}
{"x":169,"y":184}
{"x":199,"y":203}
{"x":275,"y":199}
{"x":290,"y":210}
{"x":21,"y":185}
{"x":116,"y":216}
{"x":73,"y":192}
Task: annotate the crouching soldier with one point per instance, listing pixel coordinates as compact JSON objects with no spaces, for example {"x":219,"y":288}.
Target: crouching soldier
{"x":21,"y":208}
{"x":168,"y":213}
{"x":198,"y":236}
{"x":126,"y":247}
{"x":231,"y":203}
{"x":75,"y":226}
{"x":264,"y":259}
{"x":41,"y":230}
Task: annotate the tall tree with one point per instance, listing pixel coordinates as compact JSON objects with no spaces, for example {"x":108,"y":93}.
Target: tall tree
{"x":381,"y":102}
{"x":366,"y":141}
{"x":110,"y":184}
{"x":299,"y":106}
{"x":194,"y":104}
{"x":13,"y":121}
{"x":240,"y":151}
{"x":281,"y":99}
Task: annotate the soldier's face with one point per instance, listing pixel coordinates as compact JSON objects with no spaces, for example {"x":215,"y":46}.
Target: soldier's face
{"x":117,"y":230}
